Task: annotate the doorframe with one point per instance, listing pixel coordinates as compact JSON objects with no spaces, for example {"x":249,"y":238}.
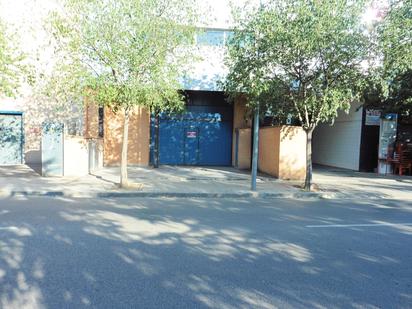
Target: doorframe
{"x":22,"y":140}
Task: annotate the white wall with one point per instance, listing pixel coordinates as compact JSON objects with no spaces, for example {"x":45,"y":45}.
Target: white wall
{"x":208,"y":70}
{"x":339,"y":145}
{"x":76,"y":156}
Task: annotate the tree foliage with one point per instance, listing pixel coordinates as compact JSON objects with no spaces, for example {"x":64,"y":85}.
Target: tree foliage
{"x":395,"y":38}
{"x":390,"y":88}
{"x":125,"y":53}
{"x":300,"y":57}
{"x":128,"y":52}
{"x":11,"y":66}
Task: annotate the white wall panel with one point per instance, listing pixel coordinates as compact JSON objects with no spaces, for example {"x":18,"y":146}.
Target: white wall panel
{"x":339,"y":145}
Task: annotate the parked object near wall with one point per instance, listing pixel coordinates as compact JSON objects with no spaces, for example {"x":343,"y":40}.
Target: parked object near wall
{"x":282,"y":152}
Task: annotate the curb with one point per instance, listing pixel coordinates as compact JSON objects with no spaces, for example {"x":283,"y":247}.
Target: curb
{"x":143,"y":194}
{"x":212,"y":195}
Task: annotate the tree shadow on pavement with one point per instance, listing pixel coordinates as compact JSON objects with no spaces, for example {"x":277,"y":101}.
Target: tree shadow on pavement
{"x":202,"y":253}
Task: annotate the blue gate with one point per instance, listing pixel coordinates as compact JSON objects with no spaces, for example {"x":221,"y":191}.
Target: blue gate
{"x":11,"y":138}
{"x":52,"y":149}
{"x":194,"y":139}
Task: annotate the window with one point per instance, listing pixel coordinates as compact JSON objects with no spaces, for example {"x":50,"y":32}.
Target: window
{"x":228,"y":36}
{"x":211,"y":38}
{"x":214,"y":37}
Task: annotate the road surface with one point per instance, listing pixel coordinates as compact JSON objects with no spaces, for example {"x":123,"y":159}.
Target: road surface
{"x":205,"y":253}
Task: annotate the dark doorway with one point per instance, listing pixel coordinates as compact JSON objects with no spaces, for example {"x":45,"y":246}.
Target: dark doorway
{"x":368,"y":161}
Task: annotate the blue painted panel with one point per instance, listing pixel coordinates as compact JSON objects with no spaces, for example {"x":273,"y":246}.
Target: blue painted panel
{"x":3,"y":112}
{"x":210,"y":141}
{"x":52,"y":149}
{"x":171,"y":142}
{"x":11,"y":139}
{"x":215,"y":143}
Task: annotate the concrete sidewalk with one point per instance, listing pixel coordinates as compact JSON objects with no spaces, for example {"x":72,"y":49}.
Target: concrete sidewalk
{"x":166,"y":181}
{"x":23,"y":180}
{"x":191,"y":182}
{"x":174,"y":181}
{"x":362,"y":185}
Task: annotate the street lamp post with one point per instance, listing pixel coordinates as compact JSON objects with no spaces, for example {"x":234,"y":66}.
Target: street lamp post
{"x":255,"y":152}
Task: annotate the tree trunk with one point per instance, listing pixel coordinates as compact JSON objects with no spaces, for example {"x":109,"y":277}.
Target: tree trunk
{"x":156,"y":141}
{"x":123,"y":160}
{"x":308,"y":179}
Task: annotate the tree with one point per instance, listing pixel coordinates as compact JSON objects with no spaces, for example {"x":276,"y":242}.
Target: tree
{"x":300,"y":57}
{"x":127,"y":53}
{"x":395,"y":38}
{"x":390,"y":88}
{"x":11,"y":67}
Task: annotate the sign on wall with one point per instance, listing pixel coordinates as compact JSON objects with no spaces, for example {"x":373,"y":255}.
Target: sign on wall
{"x":373,"y":117}
{"x":191,"y":134}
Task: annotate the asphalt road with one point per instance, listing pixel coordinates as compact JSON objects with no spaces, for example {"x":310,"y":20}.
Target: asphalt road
{"x":170,"y":253}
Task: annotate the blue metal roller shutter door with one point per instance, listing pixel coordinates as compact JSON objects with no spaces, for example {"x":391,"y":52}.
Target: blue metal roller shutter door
{"x":171,"y":142}
{"x":11,"y":139}
{"x":215,"y":146}
{"x":177,"y":139}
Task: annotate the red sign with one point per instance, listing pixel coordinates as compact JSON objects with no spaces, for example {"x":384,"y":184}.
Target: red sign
{"x":191,"y":134}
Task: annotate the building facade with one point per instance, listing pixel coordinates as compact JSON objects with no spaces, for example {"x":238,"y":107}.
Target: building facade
{"x":202,"y":135}
{"x":211,"y":131}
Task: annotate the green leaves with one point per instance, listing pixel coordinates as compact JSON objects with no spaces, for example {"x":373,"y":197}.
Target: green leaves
{"x":12,"y":68}
{"x":301,"y":57}
{"x":390,"y":86}
{"x":129,"y":52}
{"x":395,"y":38}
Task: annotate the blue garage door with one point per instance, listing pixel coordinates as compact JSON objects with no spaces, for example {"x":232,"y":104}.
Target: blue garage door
{"x":11,"y":138}
{"x":194,"y":141}
{"x":201,"y":136}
